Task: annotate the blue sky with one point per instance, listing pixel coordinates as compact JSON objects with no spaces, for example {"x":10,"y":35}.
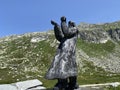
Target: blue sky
{"x":23,"y":16}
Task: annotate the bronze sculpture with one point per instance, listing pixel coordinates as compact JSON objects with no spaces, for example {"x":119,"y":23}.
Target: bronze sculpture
{"x":64,"y":67}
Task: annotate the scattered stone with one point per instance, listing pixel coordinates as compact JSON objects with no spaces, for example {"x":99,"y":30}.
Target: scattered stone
{"x":28,"y":84}
{"x":7,"y":87}
{"x":24,"y":85}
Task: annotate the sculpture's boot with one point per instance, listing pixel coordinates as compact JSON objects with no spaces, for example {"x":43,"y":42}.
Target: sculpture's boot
{"x":61,"y":84}
{"x":73,"y":83}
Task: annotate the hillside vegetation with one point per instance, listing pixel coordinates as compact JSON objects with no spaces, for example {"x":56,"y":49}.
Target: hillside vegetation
{"x":29,"y":56}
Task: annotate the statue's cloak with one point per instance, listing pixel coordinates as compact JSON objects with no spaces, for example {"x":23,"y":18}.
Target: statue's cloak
{"x":64,"y":63}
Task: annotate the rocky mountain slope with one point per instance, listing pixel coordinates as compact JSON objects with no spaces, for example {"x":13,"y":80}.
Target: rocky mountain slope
{"x":28,"y":56}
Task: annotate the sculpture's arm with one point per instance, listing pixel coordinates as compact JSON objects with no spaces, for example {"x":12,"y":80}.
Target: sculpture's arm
{"x":57,"y":31}
{"x":68,"y":32}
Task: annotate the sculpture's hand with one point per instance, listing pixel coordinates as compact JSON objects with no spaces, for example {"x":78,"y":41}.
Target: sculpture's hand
{"x":53,"y":22}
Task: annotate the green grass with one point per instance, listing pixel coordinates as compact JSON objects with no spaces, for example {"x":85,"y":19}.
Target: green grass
{"x":48,"y":83}
{"x":94,"y":74}
{"x":112,"y":88}
{"x":96,"y":50}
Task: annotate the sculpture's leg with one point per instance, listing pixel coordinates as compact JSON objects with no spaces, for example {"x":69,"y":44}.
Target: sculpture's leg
{"x":61,"y":84}
{"x":73,"y":83}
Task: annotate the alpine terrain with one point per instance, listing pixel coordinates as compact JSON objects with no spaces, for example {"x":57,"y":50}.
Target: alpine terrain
{"x":28,"y":56}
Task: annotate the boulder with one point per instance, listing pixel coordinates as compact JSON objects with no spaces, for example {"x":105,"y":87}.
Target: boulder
{"x":23,"y":85}
{"x":7,"y":87}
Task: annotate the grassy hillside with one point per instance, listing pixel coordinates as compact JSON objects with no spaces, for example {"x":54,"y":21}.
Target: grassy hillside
{"x":21,"y":59}
{"x":29,"y":56}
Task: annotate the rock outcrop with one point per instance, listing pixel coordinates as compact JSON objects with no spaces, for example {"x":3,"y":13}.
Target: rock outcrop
{"x":94,"y":36}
